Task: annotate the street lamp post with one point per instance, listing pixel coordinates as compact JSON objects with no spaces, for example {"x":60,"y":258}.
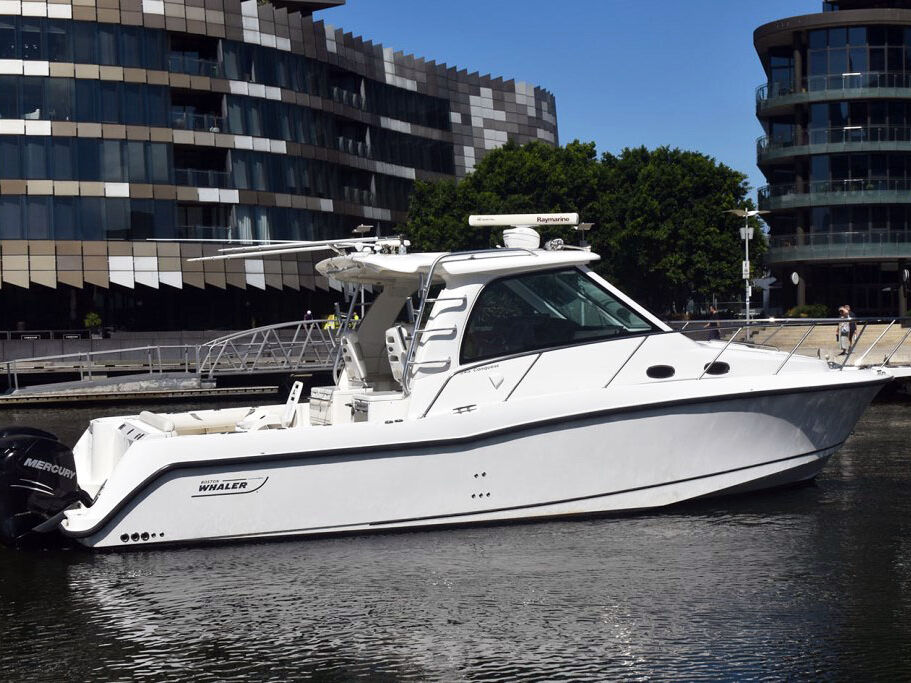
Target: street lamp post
{"x":746,"y":232}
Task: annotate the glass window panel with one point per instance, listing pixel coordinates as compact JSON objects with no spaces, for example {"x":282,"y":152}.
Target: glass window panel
{"x":9,"y":38}
{"x":33,"y":98}
{"x":35,"y":158}
{"x":876,"y":35}
{"x":117,"y":219}
{"x":254,"y":117}
{"x":10,"y":159}
{"x":878,"y":111}
{"x":894,"y":35}
{"x":896,"y":167}
{"x":841,"y":219}
{"x":165,"y":224}
{"x":821,"y":220}
{"x":62,"y":163}
{"x":11,"y":218}
{"x":819,"y":62}
{"x":897,"y":218}
{"x":159,"y":163}
{"x":158,"y":103}
{"x":134,"y":111}
{"x":259,"y":174}
{"x":131,"y":46}
{"x":60,"y":97}
{"x":877,"y":59}
{"x":240,"y":172}
{"x":879,"y":166}
{"x":244,"y":222}
{"x":38,"y":218}
{"x":9,"y":100}
{"x":86,"y":100}
{"x":879,"y":218}
{"x":59,"y":42}
{"x":857,"y":61}
{"x":818,"y":39}
{"x":541,"y":310}
{"x":839,"y":166}
{"x":65,"y":218}
{"x":32,"y":40}
{"x":262,"y":223}
{"x":111,"y":164}
{"x":90,"y":218}
{"x":895,"y":59}
{"x":838,"y":61}
{"x":838,"y":114}
{"x":110,"y":102}
{"x":859,"y":218}
{"x":860,"y":166}
{"x":857,"y":35}
{"x":107,"y":44}
{"x":84,"y":42}
{"x":235,"y":122}
{"x":142,"y":218}
{"x":87,"y":159}
{"x":136,"y":162}
{"x":153,"y":56}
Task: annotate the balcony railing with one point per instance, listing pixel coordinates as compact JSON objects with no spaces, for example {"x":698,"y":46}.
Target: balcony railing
{"x":189,"y":121}
{"x":819,"y":239}
{"x":848,"y":186}
{"x":840,"y":245}
{"x":185,"y":63}
{"x":356,"y":147}
{"x":359,"y":196}
{"x":846,"y":81}
{"x":832,"y":136}
{"x":205,"y":232}
{"x":201,"y":177}
{"x":351,"y":99}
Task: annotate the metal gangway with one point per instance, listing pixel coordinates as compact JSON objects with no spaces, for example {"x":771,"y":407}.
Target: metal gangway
{"x":298,"y":346}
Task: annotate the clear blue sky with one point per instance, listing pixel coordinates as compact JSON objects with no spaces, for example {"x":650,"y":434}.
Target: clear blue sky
{"x":624,"y":72}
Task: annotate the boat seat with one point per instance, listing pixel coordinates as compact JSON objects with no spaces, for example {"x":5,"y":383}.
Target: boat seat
{"x":397,"y":339}
{"x":353,"y":355}
{"x":266,"y":417}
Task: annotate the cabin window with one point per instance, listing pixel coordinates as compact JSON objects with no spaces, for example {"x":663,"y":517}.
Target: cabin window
{"x":543,"y":310}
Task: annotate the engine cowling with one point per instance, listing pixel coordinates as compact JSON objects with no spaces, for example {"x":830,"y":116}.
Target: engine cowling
{"x":37,"y":481}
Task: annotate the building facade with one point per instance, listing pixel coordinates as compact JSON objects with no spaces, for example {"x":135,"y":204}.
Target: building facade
{"x":126,"y":121}
{"x":836,"y":111}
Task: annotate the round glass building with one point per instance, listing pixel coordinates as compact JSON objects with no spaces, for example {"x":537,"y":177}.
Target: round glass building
{"x":836,"y":111}
{"x":124,"y":120}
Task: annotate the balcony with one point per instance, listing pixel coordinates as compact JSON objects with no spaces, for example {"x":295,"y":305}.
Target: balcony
{"x":348,"y":98}
{"x":189,"y":63}
{"x":834,"y":193}
{"x":771,"y":97}
{"x":358,"y":148}
{"x":201,"y":177}
{"x":834,"y":140}
{"x":356,"y":195}
{"x":840,"y":246}
{"x":185,"y":120}
{"x":208,"y":232}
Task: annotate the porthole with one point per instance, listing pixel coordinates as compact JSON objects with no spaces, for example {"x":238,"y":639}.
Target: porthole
{"x":660,"y":371}
{"x":124,"y":538}
{"x":717,"y":368}
{"x":135,"y":537}
{"x":145,"y":536}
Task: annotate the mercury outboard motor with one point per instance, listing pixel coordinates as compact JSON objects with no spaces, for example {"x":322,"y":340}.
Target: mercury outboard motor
{"x":37,"y":482}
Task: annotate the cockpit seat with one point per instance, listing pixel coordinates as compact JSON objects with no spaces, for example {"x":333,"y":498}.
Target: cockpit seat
{"x":353,"y":356}
{"x":397,"y":340}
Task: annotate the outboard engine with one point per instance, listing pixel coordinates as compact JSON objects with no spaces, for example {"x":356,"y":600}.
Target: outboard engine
{"x":37,"y":482}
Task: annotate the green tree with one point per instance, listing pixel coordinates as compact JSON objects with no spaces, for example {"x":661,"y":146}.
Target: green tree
{"x":659,"y":221}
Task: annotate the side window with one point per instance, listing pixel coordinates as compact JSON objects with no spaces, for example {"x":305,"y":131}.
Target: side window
{"x":544,"y":310}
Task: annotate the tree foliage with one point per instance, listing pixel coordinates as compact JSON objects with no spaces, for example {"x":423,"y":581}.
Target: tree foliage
{"x":659,"y":218}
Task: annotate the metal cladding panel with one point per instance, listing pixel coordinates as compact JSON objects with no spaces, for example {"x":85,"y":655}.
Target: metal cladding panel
{"x":216,"y":280}
{"x":194,"y":280}
{"x":73,"y":278}
{"x":238,"y":280}
{"x":16,"y":277}
{"x":97,"y":277}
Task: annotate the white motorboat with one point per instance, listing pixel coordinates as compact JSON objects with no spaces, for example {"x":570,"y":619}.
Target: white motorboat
{"x":526,"y":387}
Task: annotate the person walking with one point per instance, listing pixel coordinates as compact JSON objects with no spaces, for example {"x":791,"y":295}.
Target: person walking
{"x":852,"y":325}
{"x":712,"y":324}
{"x":844,"y":332}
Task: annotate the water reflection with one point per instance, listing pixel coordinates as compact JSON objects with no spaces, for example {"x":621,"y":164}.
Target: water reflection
{"x":808,"y":582}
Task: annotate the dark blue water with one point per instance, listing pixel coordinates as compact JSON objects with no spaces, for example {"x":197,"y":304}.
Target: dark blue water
{"x":813,"y":582}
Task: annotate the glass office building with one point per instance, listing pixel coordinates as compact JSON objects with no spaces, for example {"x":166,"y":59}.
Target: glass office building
{"x":836,"y":111}
{"x":124,"y":120}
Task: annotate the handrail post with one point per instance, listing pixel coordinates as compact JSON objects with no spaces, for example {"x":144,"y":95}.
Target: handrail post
{"x":794,"y":350}
{"x":870,"y":348}
{"x":851,"y":348}
{"x":725,"y":348}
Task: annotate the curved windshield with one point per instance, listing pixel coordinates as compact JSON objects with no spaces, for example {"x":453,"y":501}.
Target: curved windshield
{"x":542,"y":310}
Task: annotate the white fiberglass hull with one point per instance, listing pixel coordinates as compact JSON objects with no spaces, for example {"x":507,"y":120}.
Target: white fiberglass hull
{"x":605,"y":460}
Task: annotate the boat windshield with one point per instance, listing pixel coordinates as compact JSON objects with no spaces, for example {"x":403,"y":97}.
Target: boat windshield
{"x":542,"y":310}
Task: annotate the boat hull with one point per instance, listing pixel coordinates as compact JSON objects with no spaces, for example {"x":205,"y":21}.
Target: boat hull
{"x":617,"y":460}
